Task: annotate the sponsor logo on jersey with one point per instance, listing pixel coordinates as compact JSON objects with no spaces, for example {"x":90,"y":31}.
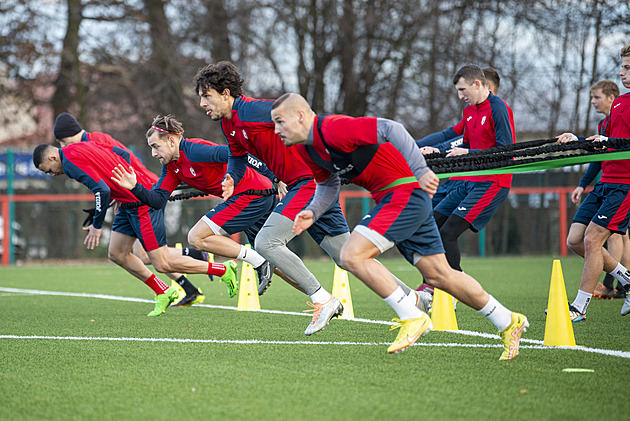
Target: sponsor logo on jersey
{"x":192,"y":171}
{"x":245,"y":134}
{"x":233,"y":133}
{"x":483,"y":120}
{"x":469,"y":118}
{"x":602,"y":217}
{"x":461,"y":208}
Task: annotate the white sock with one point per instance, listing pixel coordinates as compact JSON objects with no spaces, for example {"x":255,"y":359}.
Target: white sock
{"x":320,"y":296}
{"x":500,"y":316}
{"x":621,"y":274}
{"x":250,"y":256}
{"x":403,"y":305}
{"x":581,"y":301}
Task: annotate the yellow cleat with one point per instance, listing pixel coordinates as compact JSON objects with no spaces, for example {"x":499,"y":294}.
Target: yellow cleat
{"x":410,"y":331}
{"x":511,"y":336}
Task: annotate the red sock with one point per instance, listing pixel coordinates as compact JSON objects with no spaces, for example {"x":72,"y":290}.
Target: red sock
{"x":156,"y":284}
{"x":216,"y":269}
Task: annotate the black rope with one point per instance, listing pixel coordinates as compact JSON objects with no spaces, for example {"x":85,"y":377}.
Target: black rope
{"x":528,"y":152}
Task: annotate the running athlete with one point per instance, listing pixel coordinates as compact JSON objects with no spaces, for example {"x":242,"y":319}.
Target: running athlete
{"x":603,"y":94}
{"x":91,"y":164}
{"x":453,"y":137}
{"x":605,"y":210}
{"x":381,"y":156}
{"x":201,"y":164}
{"x":487,"y":122}
{"x":68,"y":131}
{"x":247,"y":126}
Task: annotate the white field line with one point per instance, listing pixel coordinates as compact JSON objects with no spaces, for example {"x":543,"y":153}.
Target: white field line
{"x":537,"y":343}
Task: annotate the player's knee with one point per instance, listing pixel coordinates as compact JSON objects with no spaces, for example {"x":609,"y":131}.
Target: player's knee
{"x":265,"y":244}
{"x":194,"y":240}
{"x":349,"y":261}
{"x":116,"y":256}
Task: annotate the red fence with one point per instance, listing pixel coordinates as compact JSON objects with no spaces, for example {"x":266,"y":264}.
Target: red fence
{"x":5,"y":200}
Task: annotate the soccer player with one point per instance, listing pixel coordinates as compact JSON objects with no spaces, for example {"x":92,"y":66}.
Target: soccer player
{"x":382,"y":157}
{"x":247,"y":126}
{"x":68,"y":131}
{"x":487,"y":122}
{"x":201,"y":164}
{"x":445,"y":141}
{"x":603,"y":94}
{"x":91,"y":164}
{"x":605,"y":210}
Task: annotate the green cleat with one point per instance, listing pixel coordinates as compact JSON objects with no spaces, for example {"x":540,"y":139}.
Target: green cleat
{"x":229,"y":278}
{"x":162,"y":301}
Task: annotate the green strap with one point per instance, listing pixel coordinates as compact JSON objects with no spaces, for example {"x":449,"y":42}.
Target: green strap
{"x":544,"y":165}
{"x":399,"y":182}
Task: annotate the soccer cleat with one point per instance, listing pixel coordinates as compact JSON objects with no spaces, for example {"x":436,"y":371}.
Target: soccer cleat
{"x":322,"y":313}
{"x":511,"y":336}
{"x":424,"y":301}
{"x":229,"y":278}
{"x":575,"y":314}
{"x":626,"y":304}
{"x":162,"y":301}
{"x":619,"y":292}
{"x":410,"y":331}
{"x":264,"y":272}
{"x":190,"y":299}
{"x":602,"y":291}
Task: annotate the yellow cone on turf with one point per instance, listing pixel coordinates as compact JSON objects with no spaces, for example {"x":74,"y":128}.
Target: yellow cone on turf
{"x":559,"y":328}
{"x":248,"y":292}
{"x":443,"y":312}
{"x":341,"y":291}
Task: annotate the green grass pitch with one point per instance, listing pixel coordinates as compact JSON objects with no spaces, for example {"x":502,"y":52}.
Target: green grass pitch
{"x":74,"y":356}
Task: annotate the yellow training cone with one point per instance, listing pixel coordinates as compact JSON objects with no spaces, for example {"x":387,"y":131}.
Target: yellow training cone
{"x":559,"y":328}
{"x":248,"y":292}
{"x":443,"y":312}
{"x":341,"y":291}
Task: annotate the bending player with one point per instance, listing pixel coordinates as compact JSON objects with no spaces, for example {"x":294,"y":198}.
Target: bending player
{"x":68,"y":131}
{"x":91,"y":164}
{"x":201,"y":164}
{"x":380,"y":156}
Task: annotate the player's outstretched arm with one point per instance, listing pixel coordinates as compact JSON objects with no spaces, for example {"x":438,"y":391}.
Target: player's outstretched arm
{"x":303,"y":221}
{"x":429,"y":182}
{"x":228,"y":186}
{"x":122,"y":177}
{"x":93,"y":237}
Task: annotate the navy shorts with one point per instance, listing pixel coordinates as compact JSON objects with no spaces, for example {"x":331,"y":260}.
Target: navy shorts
{"x":144,"y":223}
{"x":476,"y":202}
{"x":608,"y":206}
{"x":404,"y":217}
{"x":443,"y":190}
{"x":243,"y":212}
{"x":331,"y":222}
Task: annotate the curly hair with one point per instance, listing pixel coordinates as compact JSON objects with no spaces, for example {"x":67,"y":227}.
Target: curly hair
{"x":220,"y":76}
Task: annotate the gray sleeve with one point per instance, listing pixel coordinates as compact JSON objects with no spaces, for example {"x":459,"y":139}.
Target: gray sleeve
{"x":325,"y":195}
{"x":396,"y":134}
